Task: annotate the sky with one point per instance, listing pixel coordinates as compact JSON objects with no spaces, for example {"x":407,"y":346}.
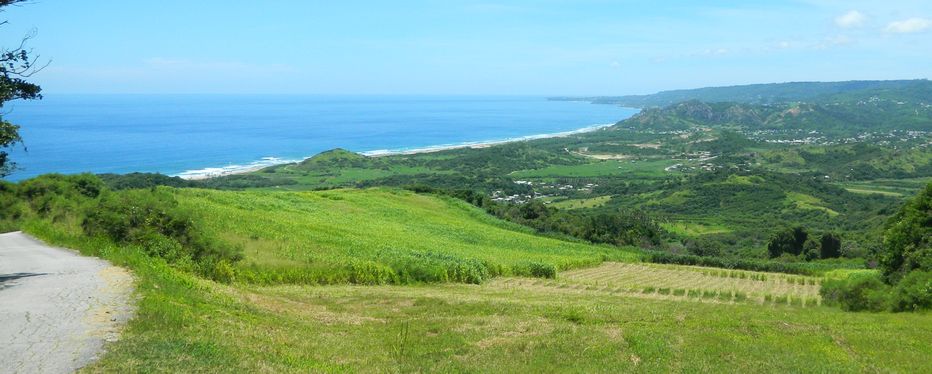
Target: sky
{"x":452,"y":47}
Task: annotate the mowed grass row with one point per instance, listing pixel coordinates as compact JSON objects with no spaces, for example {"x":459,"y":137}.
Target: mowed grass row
{"x":490,"y":328}
{"x":696,"y":283}
{"x":379,"y":236}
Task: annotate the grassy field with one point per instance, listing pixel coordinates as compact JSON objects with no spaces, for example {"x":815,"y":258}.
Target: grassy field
{"x":697,"y":283}
{"x":635,"y":169}
{"x":693,"y":228}
{"x":889,"y":187}
{"x":307,"y":180}
{"x":581,"y":203}
{"x":803,"y":201}
{"x":610,"y":318}
{"x":378,"y":236}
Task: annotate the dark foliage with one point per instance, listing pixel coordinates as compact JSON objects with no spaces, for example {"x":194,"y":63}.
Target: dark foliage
{"x":627,"y":227}
{"x":907,"y":244}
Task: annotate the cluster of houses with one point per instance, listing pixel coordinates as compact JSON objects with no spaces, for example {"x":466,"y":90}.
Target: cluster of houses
{"x":552,"y":188}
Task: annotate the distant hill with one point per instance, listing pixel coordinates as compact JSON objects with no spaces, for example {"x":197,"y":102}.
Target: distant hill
{"x":337,"y":157}
{"x":771,"y":93}
{"x":842,"y":116}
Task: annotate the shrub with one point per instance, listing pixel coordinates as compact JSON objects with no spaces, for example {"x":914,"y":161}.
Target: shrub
{"x":152,"y":220}
{"x":907,"y":242}
{"x":659,"y":257}
{"x":914,"y":292}
{"x":858,"y":292}
{"x":536,"y":269}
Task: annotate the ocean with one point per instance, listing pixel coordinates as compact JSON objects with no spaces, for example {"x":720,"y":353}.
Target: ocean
{"x":191,"y":134}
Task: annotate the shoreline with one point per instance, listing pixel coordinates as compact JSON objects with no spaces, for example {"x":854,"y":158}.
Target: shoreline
{"x":214,"y":172}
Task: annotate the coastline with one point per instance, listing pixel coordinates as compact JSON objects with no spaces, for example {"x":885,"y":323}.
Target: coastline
{"x":214,"y":172}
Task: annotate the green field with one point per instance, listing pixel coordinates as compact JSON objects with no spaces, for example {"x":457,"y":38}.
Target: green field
{"x":692,"y":228}
{"x":888,"y":187}
{"x":608,"y":318}
{"x":582,"y":203}
{"x":634,"y":169}
{"x":396,"y":236}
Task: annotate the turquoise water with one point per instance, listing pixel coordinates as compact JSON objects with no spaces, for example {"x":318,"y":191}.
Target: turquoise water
{"x":174,"y":134}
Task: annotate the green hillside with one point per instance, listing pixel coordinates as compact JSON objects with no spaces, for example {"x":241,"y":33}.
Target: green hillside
{"x":629,"y":317}
{"x":600,"y":317}
{"x":773,"y":93}
{"x":847,"y":115}
{"x":378,"y":236}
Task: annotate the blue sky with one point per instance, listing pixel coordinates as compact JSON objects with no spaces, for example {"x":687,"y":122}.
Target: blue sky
{"x":576,"y":47}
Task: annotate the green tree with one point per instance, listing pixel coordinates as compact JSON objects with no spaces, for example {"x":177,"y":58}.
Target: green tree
{"x":16,"y":65}
{"x":829,"y":246}
{"x":907,"y":241}
{"x":811,"y":249}
{"x":791,"y":240}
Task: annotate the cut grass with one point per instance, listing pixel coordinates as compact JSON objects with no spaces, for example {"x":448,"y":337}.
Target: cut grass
{"x":752,"y":286}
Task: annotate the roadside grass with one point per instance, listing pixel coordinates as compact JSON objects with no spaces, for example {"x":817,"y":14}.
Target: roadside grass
{"x":379,"y":236}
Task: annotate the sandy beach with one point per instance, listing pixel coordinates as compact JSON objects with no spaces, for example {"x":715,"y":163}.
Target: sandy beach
{"x":214,"y":172}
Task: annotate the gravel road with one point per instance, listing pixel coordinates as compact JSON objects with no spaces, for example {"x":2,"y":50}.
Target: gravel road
{"x":57,"y":308}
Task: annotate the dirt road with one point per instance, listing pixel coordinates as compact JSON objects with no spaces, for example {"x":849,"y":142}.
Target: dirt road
{"x":57,"y":308}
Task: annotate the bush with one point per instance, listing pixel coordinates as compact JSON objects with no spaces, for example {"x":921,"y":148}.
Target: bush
{"x":152,"y":220}
{"x":432,"y":267}
{"x":732,"y":263}
{"x":907,"y":242}
{"x":536,"y":269}
{"x":914,"y":292}
{"x":858,"y":292}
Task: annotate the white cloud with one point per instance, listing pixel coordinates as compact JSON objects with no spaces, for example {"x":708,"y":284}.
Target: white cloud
{"x":850,"y":19}
{"x":909,"y":25}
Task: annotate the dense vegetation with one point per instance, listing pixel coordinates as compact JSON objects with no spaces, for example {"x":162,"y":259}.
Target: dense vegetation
{"x":336,"y":236}
{"x":905,"y":262}
{"x":149,"y":220}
